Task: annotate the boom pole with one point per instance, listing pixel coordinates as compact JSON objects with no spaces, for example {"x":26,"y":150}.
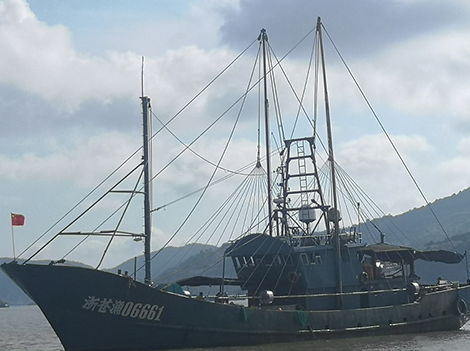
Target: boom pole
{"x":334,"y":211}
{"x":264,"y":40}
{"x":147,"y":195}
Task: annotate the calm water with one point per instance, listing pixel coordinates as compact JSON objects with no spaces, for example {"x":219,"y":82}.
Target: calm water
{"x":25,"y":329}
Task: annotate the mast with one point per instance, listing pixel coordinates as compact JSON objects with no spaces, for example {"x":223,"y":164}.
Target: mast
{"x":264,"y":39}
{"x":334,"y":211}
{"x":147,"y":177}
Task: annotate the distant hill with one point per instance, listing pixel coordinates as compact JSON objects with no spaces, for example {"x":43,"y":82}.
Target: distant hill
{"x":163,"y":261}
{"x":416,"y":228}
{"x":419,"y":226}
{"x":9,"y":292}
{"x":207,"y":262}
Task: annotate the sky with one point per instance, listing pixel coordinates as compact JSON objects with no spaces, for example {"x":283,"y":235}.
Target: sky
{"x":70,"y":87}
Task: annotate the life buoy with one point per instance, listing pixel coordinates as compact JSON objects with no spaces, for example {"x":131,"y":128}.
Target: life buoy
{"x":461,"y":307}
{"x":293,"y":277}
{"x":364,"y":277}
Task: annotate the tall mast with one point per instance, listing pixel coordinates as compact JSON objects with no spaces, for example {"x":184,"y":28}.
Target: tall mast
{"x":264,"y":39}
{"x":147,"y":195}
{"x":331,"y":159}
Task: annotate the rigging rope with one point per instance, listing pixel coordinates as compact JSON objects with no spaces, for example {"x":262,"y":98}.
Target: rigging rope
{"x":133,"y":154}
{"x":241,"y":198}
{"x":243,"y":98}
{"x":428,"y":204}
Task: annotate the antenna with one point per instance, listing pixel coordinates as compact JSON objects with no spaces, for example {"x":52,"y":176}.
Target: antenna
{"x":142,"y":78}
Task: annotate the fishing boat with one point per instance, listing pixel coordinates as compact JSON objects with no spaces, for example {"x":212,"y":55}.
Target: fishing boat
{"x":304,"y":273}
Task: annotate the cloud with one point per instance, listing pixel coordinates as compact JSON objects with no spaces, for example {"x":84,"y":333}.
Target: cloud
{"x":84,"y":162}
{"x":375,"y":151}
{"x":192,"y":172}
{"x":409,"y":56}
{"x":359,"y":28}
{"x":41,"y":60}
{"x":428,"y":75}
{"x":70,"y":109}
{"x":372,"y":162}
{"x":456,"y":170}
{"x":152,"y":29}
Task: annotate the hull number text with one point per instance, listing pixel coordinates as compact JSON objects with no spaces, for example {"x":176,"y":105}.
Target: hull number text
{"x":123,"y":308}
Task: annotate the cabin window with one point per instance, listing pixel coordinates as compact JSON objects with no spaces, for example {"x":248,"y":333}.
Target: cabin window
{"x":250,"y":261}
{"x":318,"y":259}
{"x":304,"y":259}
{"x":312,"y":259}
{"x":277,"y":260}
{"x":392,"y":270}
{"x":237,"y":262}
{"x":288,"y":260}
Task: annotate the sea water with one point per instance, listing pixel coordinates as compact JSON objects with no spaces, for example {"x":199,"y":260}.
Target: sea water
{"x":24,"y":328}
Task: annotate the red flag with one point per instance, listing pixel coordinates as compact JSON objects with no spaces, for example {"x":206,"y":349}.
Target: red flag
{"x":17,"y":219}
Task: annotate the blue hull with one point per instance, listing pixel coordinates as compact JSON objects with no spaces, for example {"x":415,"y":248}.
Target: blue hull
{"x":96,"y":310}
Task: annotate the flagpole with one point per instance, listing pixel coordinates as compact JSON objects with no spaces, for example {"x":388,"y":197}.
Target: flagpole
{"x":16,"y":219}
{"x":13,"y":240}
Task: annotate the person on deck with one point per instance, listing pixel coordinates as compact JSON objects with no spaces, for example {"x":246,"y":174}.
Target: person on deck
{"x":200,"y":296}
